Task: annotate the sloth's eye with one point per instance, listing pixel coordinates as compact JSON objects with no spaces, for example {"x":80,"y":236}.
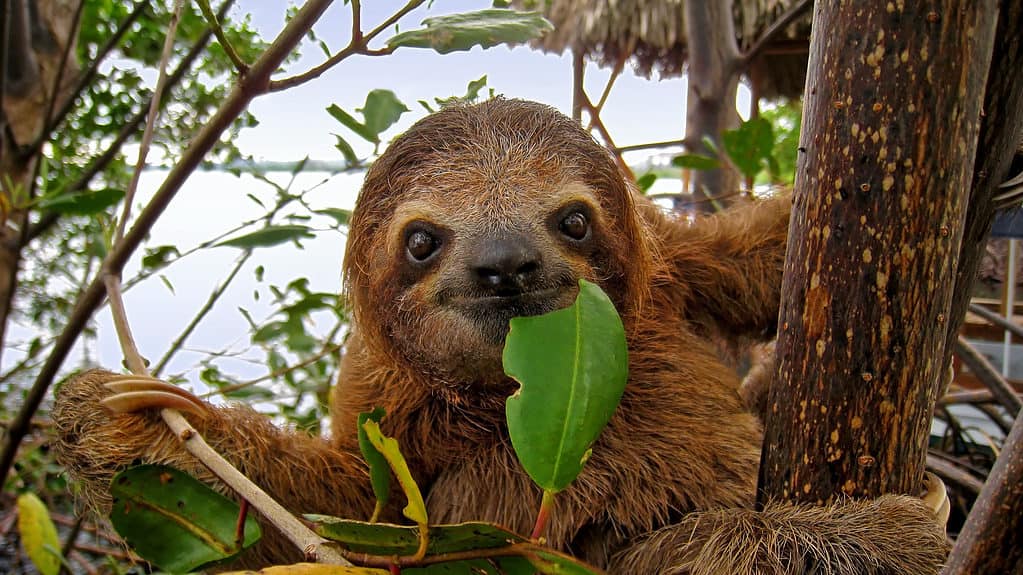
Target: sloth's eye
{"x":421,"y":244}
{"x":575,"y":226}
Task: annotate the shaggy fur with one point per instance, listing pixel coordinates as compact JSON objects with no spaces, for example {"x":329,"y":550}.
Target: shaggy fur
{"x":671,"y":480}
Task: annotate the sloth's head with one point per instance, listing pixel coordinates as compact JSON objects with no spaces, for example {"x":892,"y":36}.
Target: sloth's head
{"x":479,"y":214}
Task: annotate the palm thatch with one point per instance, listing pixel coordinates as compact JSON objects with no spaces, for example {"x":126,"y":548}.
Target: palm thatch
{"x":651,"y":34}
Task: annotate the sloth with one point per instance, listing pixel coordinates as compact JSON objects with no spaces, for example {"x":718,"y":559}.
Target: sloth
{"x":480,"y":213}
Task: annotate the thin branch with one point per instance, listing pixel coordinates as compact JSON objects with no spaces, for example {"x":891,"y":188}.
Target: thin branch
{"x":84,"y":79}
{"x":249,"y":86}
{"x":776,"y":27}
{"x":203,"y":311}
{"x":355,"y":46}
{"x":218,"y":30}
{"x":651,"y":145}
{"x":127,"y":131}
{"x":615,"y":74}
{"x":5,"y":33}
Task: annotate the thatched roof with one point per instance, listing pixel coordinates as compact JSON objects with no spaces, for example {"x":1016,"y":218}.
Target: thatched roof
{"x":651,"y":34}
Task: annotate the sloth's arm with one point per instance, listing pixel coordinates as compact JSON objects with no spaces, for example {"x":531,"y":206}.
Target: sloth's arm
{"x":303,"y":473}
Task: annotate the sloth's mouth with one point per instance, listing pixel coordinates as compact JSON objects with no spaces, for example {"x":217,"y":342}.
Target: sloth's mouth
{"x":491,"y":313}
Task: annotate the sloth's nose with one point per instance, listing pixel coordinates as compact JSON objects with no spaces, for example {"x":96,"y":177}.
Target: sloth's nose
{"x":506,"y":266}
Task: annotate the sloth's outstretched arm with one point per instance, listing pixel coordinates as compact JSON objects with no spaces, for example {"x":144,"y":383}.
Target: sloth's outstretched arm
{"x":304,"y":473}
{"x":890,"y":535}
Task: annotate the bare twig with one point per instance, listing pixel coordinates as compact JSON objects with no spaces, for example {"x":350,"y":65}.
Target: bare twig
{"x":327,"y":350}
{"x":151,"y":120}
{"x":615,"y":73}
{"x":357,"y":45}
{"x":650,"y":145}
{"x":218,"y":30}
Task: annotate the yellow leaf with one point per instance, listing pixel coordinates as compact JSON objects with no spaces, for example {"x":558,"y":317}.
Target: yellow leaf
{"x":38,"y":534}
{"x":311,"y":569}
{"x":388,"y":447}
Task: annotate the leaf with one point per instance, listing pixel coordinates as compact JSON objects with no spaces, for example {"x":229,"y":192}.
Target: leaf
{"x":379,"y":472}
{"x":342,"y":217}
{"x":382,"y":110}
{"x":173,"y":520}
{"x":38,"y":534}
{"x":645,"y":181}
{"x":519,"y":556}
{"x":346,"y":150}
{"x":485,"y":28}
{"x":403,"y":540}
{"x":269,"y":236}
{"x":695,"y":162}
{"x":311,"y":569}
{"x":82,"y":204}
{"x":388,"y":447}
{"x":158,"y":257}
{"x":352,"y":124}
{"x":472,"y":92}
{"x":750,"y":145}
{"x":572,"y":365}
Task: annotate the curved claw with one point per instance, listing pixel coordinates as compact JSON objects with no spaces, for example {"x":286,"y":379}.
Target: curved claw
{"x":134,"y":393}
{"x":936,"y":498}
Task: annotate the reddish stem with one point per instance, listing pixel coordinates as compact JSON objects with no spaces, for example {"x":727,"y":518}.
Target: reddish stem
{"x":546,"y":506}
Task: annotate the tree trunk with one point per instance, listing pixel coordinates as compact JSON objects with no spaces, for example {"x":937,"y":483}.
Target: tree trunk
{"x":1001,"y":131}
{"x":710,"y":99}
{"x":891,"y":117}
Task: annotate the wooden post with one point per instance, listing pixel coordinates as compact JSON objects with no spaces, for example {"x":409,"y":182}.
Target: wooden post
{"x":891,"y":117}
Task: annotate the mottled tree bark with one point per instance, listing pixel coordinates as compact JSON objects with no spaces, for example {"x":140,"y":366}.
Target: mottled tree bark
{"x":891,"y":117}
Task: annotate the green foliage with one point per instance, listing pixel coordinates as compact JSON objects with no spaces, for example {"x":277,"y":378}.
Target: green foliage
{"x":785,"y":118}
{"x":176,"y":522}
{"x":388,"y":448}
{"x":381,"y":110}
{"x":485,"y":28}
{"x":695,"y":162}
{"x":572,"y":365}
{"x":471,"y":96}
{"x":379,"y":472}
{"x":645,"y":181}
{"x":513,"y":553}
{"x":270,"y":236}
{"x":750,"y":146}
{"x":38,"y":534}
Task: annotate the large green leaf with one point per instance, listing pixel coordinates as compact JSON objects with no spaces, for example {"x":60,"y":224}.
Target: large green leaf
{"x":175,"y":521}
{"x":38,"y":534}
{"x":572,"y":365}
{"x":270,"y":236}
{"x":750,"y":146}
{"x":484,"y":28}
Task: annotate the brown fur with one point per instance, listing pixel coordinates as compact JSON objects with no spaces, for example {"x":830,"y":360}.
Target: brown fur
{"x":671,"y":479}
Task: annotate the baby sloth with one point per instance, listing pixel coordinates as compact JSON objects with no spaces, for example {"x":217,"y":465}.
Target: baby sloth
{"x":486,"y":212}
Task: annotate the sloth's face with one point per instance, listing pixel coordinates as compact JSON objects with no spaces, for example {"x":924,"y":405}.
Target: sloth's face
{"x":466,"y":268}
